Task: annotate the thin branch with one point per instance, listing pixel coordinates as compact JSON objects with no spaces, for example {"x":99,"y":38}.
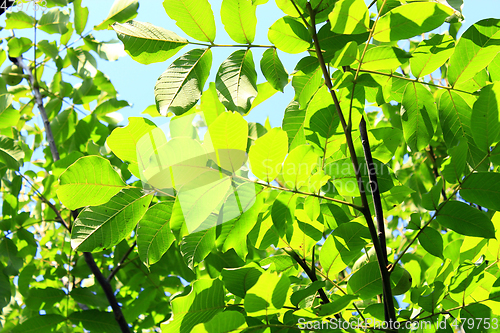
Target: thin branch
{"x":120,"y":264}
{"x":106,"y":287}
{"x":432,"y":157}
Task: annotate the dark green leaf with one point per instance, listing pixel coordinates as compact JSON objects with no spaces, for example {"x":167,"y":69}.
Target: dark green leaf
{"x":465,"y":220}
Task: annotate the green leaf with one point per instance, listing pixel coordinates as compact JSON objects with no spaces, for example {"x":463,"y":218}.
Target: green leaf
{"x":485,"y":118}
{"x":300,"y":294}
{"x":210,"y":104}
{"x":8,"y":115}
{"x":205,"y":300}
{"x":336,"y":306}
{"x":90,"y":181}
{"x":197,"y":245}
{"x":273,"y":69}
{"x":476,"y":48}
{"x":268,"y":295}
{"x":418,"y":115}
{"x":63,"y":125}
{"x":81,"y":16}
{"x":87,"y":297}
{"x":121,"y":11}
{"x":264,"y":91}
{"x":239,"y":280}
{"x":147,"y":43}
{"x":342,"y":246}
{"x":129,"y":143}
{"x":222,"y":322}
{"x":289,"y":35}
{"x":17,"y":46}
{"x":41,"y":324}
{"x":43,"y":298}
{"x":431,"y":54}
{"x":453,"y":107}
{"x":5,"y":293}
{"x":153,"y":233}
{"x":54,"y":21}
{"x":410,"y":20}
{"x":350,"y":17}
{"x":430,"y":200}
{"x":18,"y":20}
{"x":293,"y":124}
{"x":432,"y":241}
{"x":101,"y":227}
{"x":299,"y":166}
{"x":307,"y":79}
{"x":194,"y":17}
{"x":268,"y":153}
{"x":179,"y":88}
{"x":283,"y":212}
{"x":384,"y":57}
{"x":482,"y":188}
{"x":465,"y":220}
{"x":366,"y":282}
{"x":238,"y":17}
{"x":11,"y":154}
{"x":236,"y":81}
{"x":454,"y":167}
{"x":95,"y":321}
{"x":345,"y":56}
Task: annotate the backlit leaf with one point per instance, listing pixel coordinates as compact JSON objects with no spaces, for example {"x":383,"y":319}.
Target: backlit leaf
{"x":238,"y":17}
{"x":194,"y":17}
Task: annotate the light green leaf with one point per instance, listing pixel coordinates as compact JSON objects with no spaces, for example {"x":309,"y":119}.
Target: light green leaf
{"x":18,"y":20}
{"x":268,"y":295}
{"x":95,"y":321}
{"x":432,"y":241}
{"x":194,"y":17}
{"x":476,"y":48}
{"x":454,"y":167}
{"x":337,"y":305}
{"x":345,"y":56}
{"x":453,"y":107}
{"x":300,"y":294}
{"x":431,"y":54}
{"x":11,"y":154}
{"x":101,"y":227}
{"x":124,"y":142}
{"x":268,"y":153}
{"x":8,"y":115}
{"x":17,"y":46}
{"x":147,"y":43}
{"x":121,"y":11}
{"x":411,"y":20}
{"x":273,"y":69}
{"x":205,"y":300}
{"x":307,"y":79}
{"x":299,"y":166}
{"x":210,"y":104}
{"x":418,"y":115}
{"x":384,"y":57}
{"x":238,"y":17}
{"x":179,"y":88}
{"x":350,"y":17}
{"x":293,"y":124}
{"x":236,"y":81}
{"x":81,"y":16}
{"x":289,"y":35}
{"x":153,"y":233}
{"x":482,"y":188}
{"x":342,"y":246}
{"x":264,"y":91}
{"x":366,"y":282}
{"x":39,"y":324}
{"x":465,"y":220}
{"x":485,"y":118}
{"x":90,"y":181}
{"x":63,"y":125}
{"x":239,"y":280}
{"x":54,"y":21}
{"x":222,"y":322}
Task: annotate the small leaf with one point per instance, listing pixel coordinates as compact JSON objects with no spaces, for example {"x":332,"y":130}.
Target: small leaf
{"x":90,"y":181}
{"x":273,"y":69}
{"x":153,"y":233}
{"x":238,"y":17}
{"x":432,"y":241}
{"x":431,"y":54}
{"x":482,"y":188}
{"x":307,"y":79}
{"x":410,"y":20}
{"x":121,"y":11}
{"x":293,"y":124}
{"x":17,"y":46}
{"x":350,"y":17}
{"x":81,"y":16}
{"x":236,"y":81}
{"x":268,"y":153}
{"x":465,"y":220}
{"x":179,"y":88}
{"x":101,"y":227}
{"x":384,"y":57}
{"x":147,"y":43}
{"x":289,"y":35}
{"x":11,"y":154}
{"x":194,"y":17}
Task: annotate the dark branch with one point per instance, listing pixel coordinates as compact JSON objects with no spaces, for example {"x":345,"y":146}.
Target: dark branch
{"x":120,"y":264}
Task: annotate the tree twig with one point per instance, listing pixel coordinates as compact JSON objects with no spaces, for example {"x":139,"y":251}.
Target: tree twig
{"x":120,"y":264}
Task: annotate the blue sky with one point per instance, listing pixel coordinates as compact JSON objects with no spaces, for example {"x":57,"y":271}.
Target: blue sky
{"x":135,"y":82}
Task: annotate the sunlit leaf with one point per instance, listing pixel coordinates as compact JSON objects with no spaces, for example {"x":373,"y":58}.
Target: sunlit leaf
{"x":121,"y":11}
{"x":350,"y":17}
{"x":289,"y":35}
{"x":238,"y":17}
{"x":431,"y":54}
{"x":268,"y":153}
{"x":273,"y":69}
{"x":485,"y":118}
{"x":194,"y":17}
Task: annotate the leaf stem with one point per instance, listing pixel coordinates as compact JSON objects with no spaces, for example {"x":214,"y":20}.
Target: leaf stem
{"x":233,"y":45}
